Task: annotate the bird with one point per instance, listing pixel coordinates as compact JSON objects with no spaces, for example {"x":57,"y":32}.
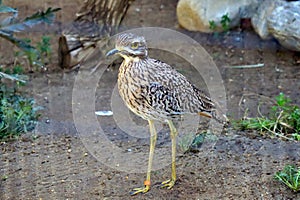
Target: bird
{"x":154,"y":90}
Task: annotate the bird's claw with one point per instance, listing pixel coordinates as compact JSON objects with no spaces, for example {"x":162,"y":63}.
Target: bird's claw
{"x":168,"y":184}
{"x":140,"y":190}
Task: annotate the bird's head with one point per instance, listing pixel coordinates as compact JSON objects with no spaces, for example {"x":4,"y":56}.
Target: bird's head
{"x":129,"y":46}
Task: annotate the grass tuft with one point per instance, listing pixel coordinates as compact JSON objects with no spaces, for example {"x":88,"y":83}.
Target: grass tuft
{"x":283,"y":120}
{"x":18,"y":114}
{"x":290,"y":176}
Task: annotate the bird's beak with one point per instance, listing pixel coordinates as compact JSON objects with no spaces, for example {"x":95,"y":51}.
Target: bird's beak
{"x":112,"y":52}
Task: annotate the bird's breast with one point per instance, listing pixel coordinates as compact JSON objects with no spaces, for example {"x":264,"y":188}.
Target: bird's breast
{"x":131,"y":79}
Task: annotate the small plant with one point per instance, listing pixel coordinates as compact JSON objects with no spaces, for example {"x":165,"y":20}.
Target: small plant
{"x":14,"y":74}
{"x":11,"y":25}
{"x":290,"y":176}
{"x":192,"y":142}
{"x":296,"y":136}
{"x":44,"y":47}
{"x":38,"y":56}
{"x":17,"y":114}
{"x":225,"y":22}
{"x":212,"y":25}
{"x":283,"y":121}
{"x":18,"y":69}
{"x":32,"y":54}
{"x":185,"y":142}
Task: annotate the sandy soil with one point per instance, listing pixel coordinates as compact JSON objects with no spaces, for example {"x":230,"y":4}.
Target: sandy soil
{"x":57,"y":161}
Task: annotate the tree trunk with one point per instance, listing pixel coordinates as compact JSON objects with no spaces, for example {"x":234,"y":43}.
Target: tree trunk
{"x":94,"y":23}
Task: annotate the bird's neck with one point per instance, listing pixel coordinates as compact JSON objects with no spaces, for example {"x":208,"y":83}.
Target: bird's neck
{"x":128,"y":59}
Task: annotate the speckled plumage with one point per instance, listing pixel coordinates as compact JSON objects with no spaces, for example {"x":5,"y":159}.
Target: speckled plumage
{"x":154,"y":90}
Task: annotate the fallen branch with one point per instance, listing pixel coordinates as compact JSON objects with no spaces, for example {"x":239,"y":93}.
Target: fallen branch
{"x":246,"y":66}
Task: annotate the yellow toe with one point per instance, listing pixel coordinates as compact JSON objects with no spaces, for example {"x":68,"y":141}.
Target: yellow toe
{"x":140,"y":190}
{"x":168,"y":184}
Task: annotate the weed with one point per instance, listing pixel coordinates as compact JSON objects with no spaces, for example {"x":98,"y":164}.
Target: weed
{"x":225,"y":22}
{"x":17,"y":114}
{"x":44,"y":47}
{"x":32,"y":55}
{"x":212,"y":25}
{"x":290,"y":176}
{"x":18,"y":69}
{"x":283,"y":121}
{"x":13,"y":74}
{"x":40,"y":55}
{"x":11,"y":25}
{"x":185,"y":142}
{"x":296,"y":136}
{"x":192,"y":142}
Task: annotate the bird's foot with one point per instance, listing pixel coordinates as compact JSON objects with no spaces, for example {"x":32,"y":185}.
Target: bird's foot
{"x":144,"y":189}
{"x":168,"y":184}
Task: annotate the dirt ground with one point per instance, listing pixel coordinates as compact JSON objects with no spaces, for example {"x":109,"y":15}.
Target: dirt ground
{"x":57,"y":162}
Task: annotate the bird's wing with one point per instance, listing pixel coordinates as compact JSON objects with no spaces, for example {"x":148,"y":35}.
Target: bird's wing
{"x":161,"y":98}
{"x":169,"y":90}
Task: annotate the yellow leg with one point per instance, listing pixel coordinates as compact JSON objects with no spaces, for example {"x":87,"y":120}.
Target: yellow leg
{"x":170,"y":183}
{"x":151,"y":153}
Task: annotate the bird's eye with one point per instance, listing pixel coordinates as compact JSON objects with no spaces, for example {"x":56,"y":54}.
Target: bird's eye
{"x":134,"y":45}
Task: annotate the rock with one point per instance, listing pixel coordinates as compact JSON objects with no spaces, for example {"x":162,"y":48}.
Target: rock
{"x":278,"y":19}
{"x":259,"y":19}
{"x":284,"y":25}
{"x":196,"y":15}
{"x":281,"y":20}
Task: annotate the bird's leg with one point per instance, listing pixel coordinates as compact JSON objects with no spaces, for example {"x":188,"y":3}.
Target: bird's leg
{"x":169,"y":183}
{"x":153,"y":137}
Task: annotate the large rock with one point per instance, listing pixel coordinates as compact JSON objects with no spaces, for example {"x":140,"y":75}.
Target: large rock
{"x":260,"y":17}
{"x":281,"y":20}
{"x":195,"y":15}
{"x":284,"y":25}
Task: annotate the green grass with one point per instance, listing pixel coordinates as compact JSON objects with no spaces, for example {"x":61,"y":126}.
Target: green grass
{"x":290,"y":176}
{"x":18,"y":114}
{"x":283,"y":120}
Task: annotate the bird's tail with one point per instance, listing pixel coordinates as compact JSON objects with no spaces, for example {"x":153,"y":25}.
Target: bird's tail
{"x":210,"y":108}
{"x":215,"y":113}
